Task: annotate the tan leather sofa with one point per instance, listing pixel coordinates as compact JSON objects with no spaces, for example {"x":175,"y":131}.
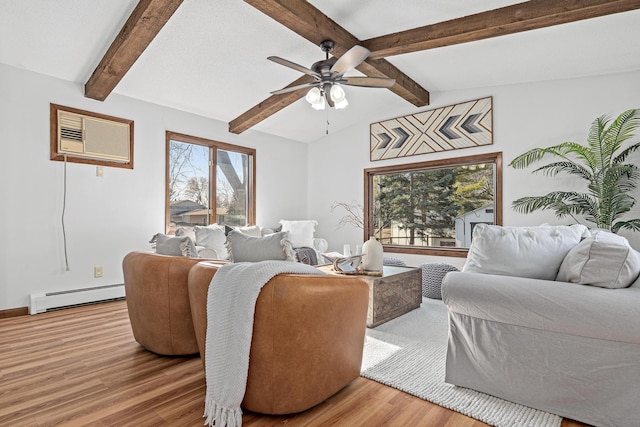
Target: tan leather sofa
{"x":157,"y":297}
{"x":308,"y":337}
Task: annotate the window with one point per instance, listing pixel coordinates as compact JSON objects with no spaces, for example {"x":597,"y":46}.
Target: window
{"x":430,"y":208}
{"x":200,"y":171}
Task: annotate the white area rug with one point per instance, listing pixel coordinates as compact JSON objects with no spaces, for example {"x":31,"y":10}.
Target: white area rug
{"x":408,"y":353}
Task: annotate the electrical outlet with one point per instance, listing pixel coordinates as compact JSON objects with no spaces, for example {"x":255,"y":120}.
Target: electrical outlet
{"x":97,"y":271}
{"x":99,"y":171}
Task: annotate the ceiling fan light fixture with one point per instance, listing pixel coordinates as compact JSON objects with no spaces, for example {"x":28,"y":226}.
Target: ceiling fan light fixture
{"x":338,"y":96}
{"x":315,"y":98}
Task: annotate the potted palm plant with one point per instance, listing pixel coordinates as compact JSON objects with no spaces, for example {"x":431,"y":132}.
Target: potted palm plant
{"x":601,"y":164}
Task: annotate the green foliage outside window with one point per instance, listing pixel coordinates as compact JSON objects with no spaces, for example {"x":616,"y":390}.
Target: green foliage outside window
{"x":432,"y":204}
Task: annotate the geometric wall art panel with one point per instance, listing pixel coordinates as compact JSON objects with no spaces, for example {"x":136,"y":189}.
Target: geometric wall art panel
{"x":465,"y":125}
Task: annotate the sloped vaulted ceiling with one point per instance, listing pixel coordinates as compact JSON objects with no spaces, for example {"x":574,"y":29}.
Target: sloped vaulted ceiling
{"x":305,"y":20}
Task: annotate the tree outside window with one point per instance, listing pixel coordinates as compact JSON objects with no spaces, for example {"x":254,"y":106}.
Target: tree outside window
{"x":432,"y":207}
{"x":200,"y":171}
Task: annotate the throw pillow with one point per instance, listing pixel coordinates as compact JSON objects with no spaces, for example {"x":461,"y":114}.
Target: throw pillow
{"x":300,"y":232}
{"x":244,"y":248}
{"x":212,"y":237}
{"x":250,"y":230}
{"x":533,"y":252}
{"x":604,"y":259}
{"x":206,"y":253}
{"x":176,"y":246}
{"x":186,"y":231}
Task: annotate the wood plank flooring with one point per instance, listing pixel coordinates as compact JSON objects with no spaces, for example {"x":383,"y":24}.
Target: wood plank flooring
{"x":82,"y":367}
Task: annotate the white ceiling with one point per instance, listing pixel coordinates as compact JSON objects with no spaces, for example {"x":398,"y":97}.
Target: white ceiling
{"x":210,"y":58}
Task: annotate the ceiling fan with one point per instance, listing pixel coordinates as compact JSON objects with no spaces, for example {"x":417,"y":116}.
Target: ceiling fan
{"x":328,"y":75}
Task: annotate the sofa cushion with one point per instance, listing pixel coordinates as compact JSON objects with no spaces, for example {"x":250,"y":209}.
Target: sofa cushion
{"x":604,"y":259}
{"x":176,"y":246}
{"x":533,"y":252}
{"x":212,"y":237}
{"x":244,"y":248}
{"x":300,"y":232}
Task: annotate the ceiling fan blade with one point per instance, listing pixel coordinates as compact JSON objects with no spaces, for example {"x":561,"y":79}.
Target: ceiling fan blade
{"x":367,"y":81}
{"x":350,"y":60}
{"x":293,"y":65}
{"x":293,"y":88}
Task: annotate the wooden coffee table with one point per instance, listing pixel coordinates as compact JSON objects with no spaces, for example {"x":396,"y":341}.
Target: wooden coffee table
{"x":396,"y":292}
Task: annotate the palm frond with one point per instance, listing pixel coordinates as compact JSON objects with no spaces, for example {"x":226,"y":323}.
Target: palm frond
{"x":625,"y":153}
{"x":561,"y":150}
{"x":620,"y":130}
{"x":565,"y":201}
{"x":622,"y":177}
{"x":622,"y":203}
{"x":610,"y":181}
{"x":632,"y":224}
{"x":552,"y":169}
{"x":579,"y":204}
{"x":595,"y":141}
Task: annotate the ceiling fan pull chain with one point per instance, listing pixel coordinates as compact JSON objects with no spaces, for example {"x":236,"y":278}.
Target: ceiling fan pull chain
{"x":327,"y":130}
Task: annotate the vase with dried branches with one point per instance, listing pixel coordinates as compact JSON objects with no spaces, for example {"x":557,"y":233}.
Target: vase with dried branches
{"x":354,"y":214}
{"x":372,"y":249}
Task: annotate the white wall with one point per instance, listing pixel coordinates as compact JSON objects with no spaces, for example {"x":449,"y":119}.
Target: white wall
{"x":525,"y":116}
{"x":110,"y":216}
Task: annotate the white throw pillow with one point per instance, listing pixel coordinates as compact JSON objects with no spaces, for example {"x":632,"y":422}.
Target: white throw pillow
{"x":186,"y":231}
{"x":604,"y":259}
{"x":212,"y":237}
{"x":533,"y":252}
{"x":250,"y":230}
{"x":300,"y":232}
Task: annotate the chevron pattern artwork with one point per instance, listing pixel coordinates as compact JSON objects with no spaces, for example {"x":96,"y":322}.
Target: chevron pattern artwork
{"x":469,"y":124}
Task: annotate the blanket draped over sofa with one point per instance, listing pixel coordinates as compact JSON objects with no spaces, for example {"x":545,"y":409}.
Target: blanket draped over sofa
{"x":231,"y":304}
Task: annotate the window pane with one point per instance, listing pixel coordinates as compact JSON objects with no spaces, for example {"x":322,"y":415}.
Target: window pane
{"x":188,"y":184}
{"x":193,"y":183}
{"x":232,"y":188}
{"x":433,"y":206}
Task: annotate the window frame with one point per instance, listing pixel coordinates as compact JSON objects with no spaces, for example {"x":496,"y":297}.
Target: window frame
{"x":215,"y":146}
{"x":370,"y":173}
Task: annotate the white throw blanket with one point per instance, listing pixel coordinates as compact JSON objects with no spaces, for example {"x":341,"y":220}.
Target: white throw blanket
{"x":231,"y":305}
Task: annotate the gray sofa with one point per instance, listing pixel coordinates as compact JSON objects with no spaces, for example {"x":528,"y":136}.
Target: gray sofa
{"x":565,"y":348}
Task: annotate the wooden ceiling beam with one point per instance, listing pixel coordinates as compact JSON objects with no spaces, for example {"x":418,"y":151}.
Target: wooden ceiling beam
{"x":144,"y":23}
{"x":268,"y":107}
{"x":305,"y":20}
{"x":530,"y":15}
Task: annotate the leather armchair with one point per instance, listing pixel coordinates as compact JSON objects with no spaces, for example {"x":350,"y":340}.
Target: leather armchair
{"x":308,"y":337}
{"x":157,"y":297}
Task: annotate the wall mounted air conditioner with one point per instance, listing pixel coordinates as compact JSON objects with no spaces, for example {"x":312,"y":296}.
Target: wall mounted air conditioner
{"x":85,"y":137}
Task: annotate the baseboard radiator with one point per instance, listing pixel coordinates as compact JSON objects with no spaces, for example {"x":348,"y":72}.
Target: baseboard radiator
{"x":43,"y":302}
